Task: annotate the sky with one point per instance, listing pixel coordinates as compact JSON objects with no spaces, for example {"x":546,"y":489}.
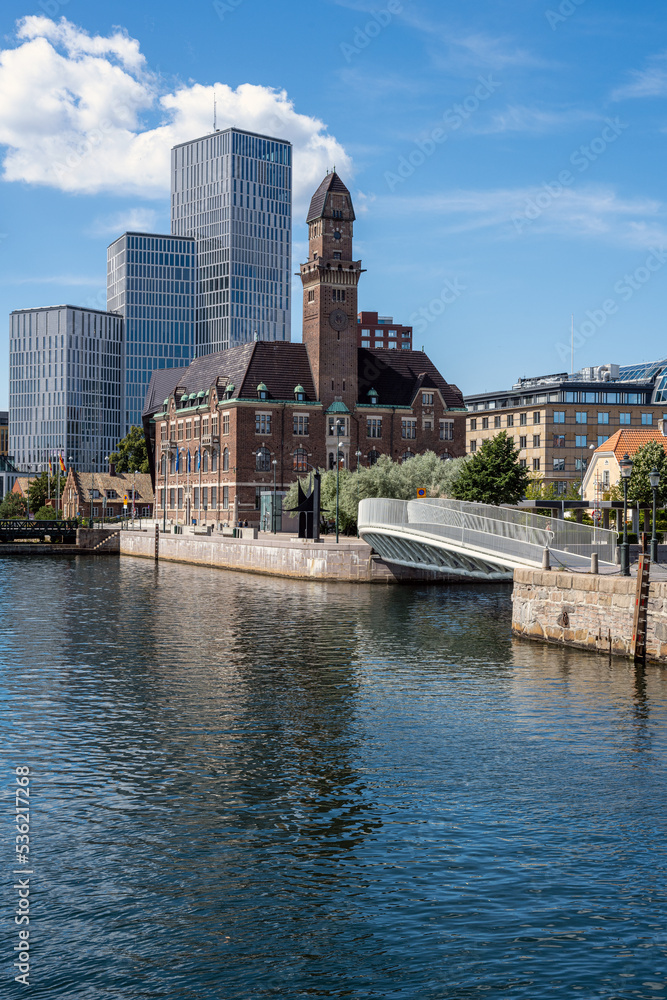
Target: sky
{"x":505,"y":158}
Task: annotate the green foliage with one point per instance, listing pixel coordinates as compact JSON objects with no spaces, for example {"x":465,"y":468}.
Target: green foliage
{"x":394,"y":480}
{"x":639,"y":487}
{"x":47,"y":514}
{"x":38,"y":490}
{"x":493,"y":474}
{"x":131,"y":454}
{"x":13,"y":505}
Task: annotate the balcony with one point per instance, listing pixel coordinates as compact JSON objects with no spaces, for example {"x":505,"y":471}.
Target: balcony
{"x":167,"y":445}
{"x":209,"y":439}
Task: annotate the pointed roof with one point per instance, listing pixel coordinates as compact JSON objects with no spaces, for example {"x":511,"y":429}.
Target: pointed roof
{"x":331,"y":183}
{"x":630,"y":440}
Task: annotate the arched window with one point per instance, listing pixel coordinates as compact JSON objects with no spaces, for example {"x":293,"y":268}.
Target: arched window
{"x":172,"y":463}
{"x":214,"y":460}
{"x":445,"y":456}
{"x":373,"y":457}
{"x":300,"y":460}
{"x":406,"y":455}
{"x":225,"y":460}
{"x":204,"y":461}
{"x":163,"y":465}
{"x":332,"y":460}
{"x":263,"y":460}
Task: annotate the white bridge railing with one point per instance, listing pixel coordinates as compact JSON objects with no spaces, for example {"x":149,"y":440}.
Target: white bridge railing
{"x":519,"y":536}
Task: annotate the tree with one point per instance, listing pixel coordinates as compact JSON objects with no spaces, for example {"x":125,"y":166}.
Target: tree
{"x":647,"y":457}
{"x":47,"y":514}
{"x":493,"y":474}
{"x":393,"y":480}
{"x":131,"y":454}
{"x":38,"y":490}
{"x":13,"y":505}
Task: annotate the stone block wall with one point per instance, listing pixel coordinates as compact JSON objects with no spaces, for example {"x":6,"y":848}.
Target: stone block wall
{"x":587,"y":611}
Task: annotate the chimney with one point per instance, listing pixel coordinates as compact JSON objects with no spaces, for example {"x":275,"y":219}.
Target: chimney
{"x":663,"y":427}
{"x":112,"y":469}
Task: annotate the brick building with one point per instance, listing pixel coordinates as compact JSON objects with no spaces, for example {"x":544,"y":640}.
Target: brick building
{"x":105,"y":492}
{"x":381,"y":332}
{"x":221,"y":431}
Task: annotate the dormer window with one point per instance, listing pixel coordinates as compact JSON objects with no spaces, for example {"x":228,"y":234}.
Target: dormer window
{"x":262,"y":391}
{"x":373,"y":397}
{"x":299,"y":393}
{"x":229,"y":391}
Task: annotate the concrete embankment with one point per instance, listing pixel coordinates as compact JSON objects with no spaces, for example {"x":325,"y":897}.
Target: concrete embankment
{"x":588,"y":611}
{"x":351,"y":560}
{"x":97,"y":541}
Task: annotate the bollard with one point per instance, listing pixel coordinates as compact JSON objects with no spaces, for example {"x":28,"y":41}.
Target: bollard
{"x":157,"y":542}
{"x":594,"y":562}
{"x":545,"y":559}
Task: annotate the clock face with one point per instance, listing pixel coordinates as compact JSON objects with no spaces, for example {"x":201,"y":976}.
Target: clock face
{"x":337,"y":235}
{"x":338,"y":319}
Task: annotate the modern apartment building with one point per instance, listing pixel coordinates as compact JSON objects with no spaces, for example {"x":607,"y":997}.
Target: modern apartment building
{"x":4,"y":432}
{"x":65,"y":379}
{"x":557,"y":421}
{"x":381,"y":332}
{"x":151,"y":284}
{"x":232,"y":192}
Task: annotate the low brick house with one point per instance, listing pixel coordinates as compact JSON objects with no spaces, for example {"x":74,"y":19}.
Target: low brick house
{"x":105,"y":493}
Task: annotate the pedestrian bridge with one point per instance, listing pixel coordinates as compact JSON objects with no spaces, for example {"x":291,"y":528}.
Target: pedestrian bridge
{"x":478,"y":541}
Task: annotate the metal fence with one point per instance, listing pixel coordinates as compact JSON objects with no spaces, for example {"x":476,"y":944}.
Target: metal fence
{"x":516,"y":534}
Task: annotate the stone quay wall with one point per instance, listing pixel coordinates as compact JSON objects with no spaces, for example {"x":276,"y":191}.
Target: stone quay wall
{"x":589,"y":611}
{"x":351,"y":561}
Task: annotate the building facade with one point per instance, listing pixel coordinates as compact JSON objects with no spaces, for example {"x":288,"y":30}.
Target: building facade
{"x":604,"y":469}
{"x":232,"y":192}
{"x":151,"y":284}
{"x":557,"y":421}
{"x":107,"y":494}
{"x":381,"y":332}
{"x":230,"y":426}
{"x":8,"y":476}
{"x":65,"y":382}
{"x":4,"y":432}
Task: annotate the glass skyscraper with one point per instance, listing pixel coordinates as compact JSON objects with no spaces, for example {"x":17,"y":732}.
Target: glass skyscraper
{"x":151,"y":283}
{"x":65,"y":377}
{"x":232,"y":192}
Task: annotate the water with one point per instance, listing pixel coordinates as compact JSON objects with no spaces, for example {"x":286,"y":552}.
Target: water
{"x":254,"y":788}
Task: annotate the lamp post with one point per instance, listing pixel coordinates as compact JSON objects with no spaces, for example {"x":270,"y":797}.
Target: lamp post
{"x":92,"y":484}
{"x":274,"y":463}
{"x":104,"y":498}
{"x":654,"y":479}
{"x":626,"y":472}
{"x":339,"y":427}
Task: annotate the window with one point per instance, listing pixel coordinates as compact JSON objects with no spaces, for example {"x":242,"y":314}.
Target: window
{"x":523,"y":442}
{"x":180,"y":498}
{"x":647,"y":419}
{"x":536,"y":465}
{"x":605,"y":479}
{"x":225,"y":424}
{"x":196,"y":499}
{"x":300,"y":462}
{"x":262,"y":423}
{"x":496,"y":422}
{"x":580,"y":464}
{"x":365,"y":343}
{"x":163,"y":432}
{"x":373,"y":457}
{"x":405,"y":347}
{"x":214,"y":425}
{"x":225,"y":497}
{"x":581,"y":441}
{"x":337,"y":255}
{"x":522,"y":463}
{"x":214,"y":460}
{"x":311,"y":295}
{"x":427,"y":398}
{"x":340,"y":422}
{"x":559,"y":465}
{"x":172,"y":499}
{"x":473,"y":424}
{"x":601,"y":439}
{"x":204,"y":497}
{"x":378,"y":343}
{"x":624,"y":419}
{"x":485,"y":423}
{"x":180,"y":430}
{"x":162,"y":496}
{"x":374,"y":427}
{"x":603,"y":418}
{"x":300,"y":425}
{"x":204,"y":425}
{"x":338,"y":295}
{"x":473,"y":446}
{"x":446,"y":430}
{"x":408,"y":429}
{"x":536,"y":417}
{"x":559,"y":416}
{"x":510,"y":420}
{"x":263,"y":460}
{"x":523,"y":419}
{"x":258,"y":496}
{"x":406,"y":455}
{"x":561,"y":488}
{"x":95,"y":511}
{"x":214,"y":497}
{"x":225,"y":460}
{"x":188,"y":430}
{"x":536,"y":440}
{"x":581,"y":417}
{"x":559,"y":440}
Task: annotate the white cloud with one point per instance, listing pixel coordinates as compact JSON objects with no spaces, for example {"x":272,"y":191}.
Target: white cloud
{"x":649,"y":82}
{"x":536,"y":121}
{"x":74,"y":116}
{"x":131,"y":220}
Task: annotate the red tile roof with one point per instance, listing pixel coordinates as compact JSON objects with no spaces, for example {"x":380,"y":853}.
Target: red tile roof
{"x":631,"y":439}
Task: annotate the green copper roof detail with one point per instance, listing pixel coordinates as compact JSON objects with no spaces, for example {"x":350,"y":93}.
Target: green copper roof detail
{"x":338,"y":407}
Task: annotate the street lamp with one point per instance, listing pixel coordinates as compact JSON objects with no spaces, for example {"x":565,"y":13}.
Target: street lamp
{"x":626,"y":472}
{"x":274,"y":463}
{"x":654,"y":479}
{"x":104,"y":498}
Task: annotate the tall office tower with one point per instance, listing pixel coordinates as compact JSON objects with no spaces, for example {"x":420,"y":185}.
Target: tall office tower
{"x":65,"y":369}
{"x":232,"y":192}
{"x":151,"y":283}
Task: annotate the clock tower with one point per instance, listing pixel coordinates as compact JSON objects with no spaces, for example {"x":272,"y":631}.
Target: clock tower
{"x":330,"y":277}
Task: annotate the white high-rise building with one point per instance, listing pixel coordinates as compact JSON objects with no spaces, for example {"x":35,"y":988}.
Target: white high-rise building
{"x":65,"y":378}
{"x":232,"y":192}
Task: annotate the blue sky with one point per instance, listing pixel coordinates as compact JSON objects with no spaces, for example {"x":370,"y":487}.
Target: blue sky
{"x":506,"y":158}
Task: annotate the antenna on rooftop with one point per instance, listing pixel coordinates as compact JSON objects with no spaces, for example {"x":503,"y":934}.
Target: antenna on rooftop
{"x":215,"y":114}
{"x":572,"y":349}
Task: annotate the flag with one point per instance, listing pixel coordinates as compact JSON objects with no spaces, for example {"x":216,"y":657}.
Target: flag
{"x":62,"y":464}
{"x":50,"y":466}
{"x":178,"y":455}
{"x":189,"y":469}
{"x":198,"y":458}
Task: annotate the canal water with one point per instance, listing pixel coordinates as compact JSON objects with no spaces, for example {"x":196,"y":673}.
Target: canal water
{"x":245,"y":787}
